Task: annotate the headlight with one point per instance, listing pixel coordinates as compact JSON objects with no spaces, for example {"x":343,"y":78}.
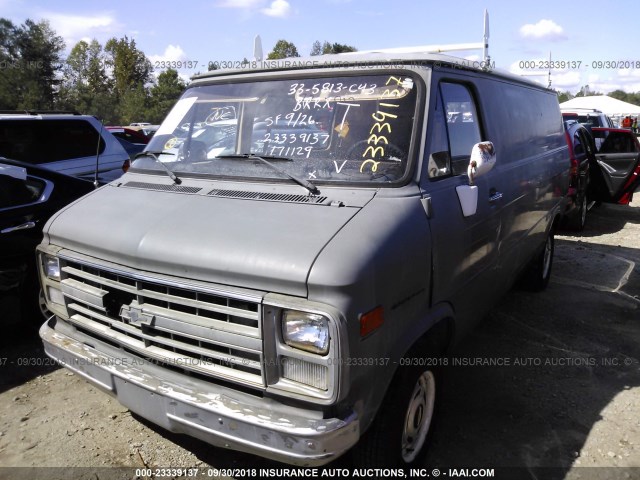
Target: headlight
{"x":306,"y":331}
{"x":51,"y":267}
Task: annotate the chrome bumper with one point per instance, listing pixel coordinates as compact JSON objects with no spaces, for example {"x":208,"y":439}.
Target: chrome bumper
{"x":217,"y":415}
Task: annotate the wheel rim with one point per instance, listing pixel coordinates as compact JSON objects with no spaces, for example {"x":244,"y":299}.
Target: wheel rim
{"x":548,"y":253}
{"x":418,"y":417}
{"x":583,"y":211}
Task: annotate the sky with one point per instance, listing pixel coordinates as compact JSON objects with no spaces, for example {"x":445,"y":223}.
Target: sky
{"x":589,"y":42}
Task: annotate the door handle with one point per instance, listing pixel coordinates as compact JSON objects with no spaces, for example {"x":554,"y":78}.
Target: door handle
{"x":24,"y":226}
{"x":494,"y":196}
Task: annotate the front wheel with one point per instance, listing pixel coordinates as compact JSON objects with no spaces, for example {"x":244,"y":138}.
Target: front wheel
{"x":400,"y":433}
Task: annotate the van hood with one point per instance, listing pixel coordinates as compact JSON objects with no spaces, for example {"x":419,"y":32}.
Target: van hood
{"x":263,"y":245}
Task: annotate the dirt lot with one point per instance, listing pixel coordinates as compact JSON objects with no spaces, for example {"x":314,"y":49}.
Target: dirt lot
{"x":562,"y":390}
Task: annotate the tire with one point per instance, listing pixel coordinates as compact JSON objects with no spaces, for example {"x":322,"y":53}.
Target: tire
{"x":42,"y":305}
{"x":401,"y":431}
{"x":580,"y":219}
{"x":539,"y":273}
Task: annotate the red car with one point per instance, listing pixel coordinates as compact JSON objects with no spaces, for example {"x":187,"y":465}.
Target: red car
{"x":129,"y":134}
{"x":618,"y":165}
{"x":605,"y":167}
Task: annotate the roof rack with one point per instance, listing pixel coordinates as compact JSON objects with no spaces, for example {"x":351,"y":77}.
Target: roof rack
{"x":484,"y":46}
{"x":39,"y":112}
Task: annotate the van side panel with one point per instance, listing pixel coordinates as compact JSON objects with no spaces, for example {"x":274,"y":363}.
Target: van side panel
{"x":380,"y":259}
{"x":476,"y":259}
{"x":533,"y":164}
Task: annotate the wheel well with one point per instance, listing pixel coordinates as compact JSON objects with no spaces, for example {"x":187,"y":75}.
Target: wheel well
{"x":435,"y":341}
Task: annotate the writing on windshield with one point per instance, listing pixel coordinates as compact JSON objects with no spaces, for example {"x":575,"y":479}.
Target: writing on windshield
{"x":342,"y":129}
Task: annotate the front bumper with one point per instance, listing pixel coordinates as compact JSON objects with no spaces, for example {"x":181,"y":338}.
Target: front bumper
{"x":218,"y":415}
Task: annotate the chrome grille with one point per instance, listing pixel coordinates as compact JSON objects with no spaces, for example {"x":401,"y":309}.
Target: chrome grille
{"x":202,"y":333}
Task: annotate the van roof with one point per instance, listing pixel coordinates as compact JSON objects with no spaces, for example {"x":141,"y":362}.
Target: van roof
{"x":362,"y":59}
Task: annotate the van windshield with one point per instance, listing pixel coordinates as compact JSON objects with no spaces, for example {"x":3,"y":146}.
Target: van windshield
{"x":338,"y":129}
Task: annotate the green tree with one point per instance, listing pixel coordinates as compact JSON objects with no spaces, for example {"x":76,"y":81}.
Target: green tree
{"x":585,"y":91}
{"x":131,"y":68}
{"x":31,"y":62}
{"x":9,"y":63}
{"x":330,"y":48}
{"x":283,"y":49}
{"x":563,"y":96}
{"x":620,"y":95}
{"x":134,"y":106}
{"x":131,"y":73}
{"x":86,"y":86}
{"x":164,"y":94}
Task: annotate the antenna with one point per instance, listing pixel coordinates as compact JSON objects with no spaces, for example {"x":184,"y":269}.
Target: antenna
{"x":540,"y":74}
{"x":95,"y":176}
{"x":485,"y":50}
{"x":257,"y":49}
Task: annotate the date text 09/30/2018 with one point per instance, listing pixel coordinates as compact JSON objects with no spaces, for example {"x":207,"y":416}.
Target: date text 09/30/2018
{"x":578,"y":64}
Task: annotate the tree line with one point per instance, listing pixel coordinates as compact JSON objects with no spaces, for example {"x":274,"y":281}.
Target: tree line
{"x":115,"y":81}
{"x":586,"y":91}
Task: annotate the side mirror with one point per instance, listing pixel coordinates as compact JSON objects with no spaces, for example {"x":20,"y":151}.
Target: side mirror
{"x":483,"y":158}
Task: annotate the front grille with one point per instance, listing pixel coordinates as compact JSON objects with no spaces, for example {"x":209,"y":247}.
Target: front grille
{"x":203,"y":333}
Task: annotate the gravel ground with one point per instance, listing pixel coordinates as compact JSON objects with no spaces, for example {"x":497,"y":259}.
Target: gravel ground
{"x":563,"y":390}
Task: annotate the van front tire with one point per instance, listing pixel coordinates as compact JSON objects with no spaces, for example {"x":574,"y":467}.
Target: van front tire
{"x":401,"y":431}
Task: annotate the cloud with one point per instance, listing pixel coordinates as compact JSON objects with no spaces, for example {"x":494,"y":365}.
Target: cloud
{"x":171,"y":53}
{"x":566,"y":81}
{"x":543,"y":30}
{"x":240,"y":3}
{"x":74,"y":27}
{"x":278,"y":8}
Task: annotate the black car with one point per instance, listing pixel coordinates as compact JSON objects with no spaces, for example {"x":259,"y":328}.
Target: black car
{"x":29,"y":195}
{"x":581,"y":157}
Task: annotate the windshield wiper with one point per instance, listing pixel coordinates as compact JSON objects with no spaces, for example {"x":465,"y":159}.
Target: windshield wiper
{"x":250,"y":156}
{"x":154,"y":155}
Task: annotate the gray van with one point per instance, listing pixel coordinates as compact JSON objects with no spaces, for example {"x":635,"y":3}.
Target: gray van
{"x":288,"y":284}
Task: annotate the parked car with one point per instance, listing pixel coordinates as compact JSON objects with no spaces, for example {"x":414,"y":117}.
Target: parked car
{"x":29,"y":195}
{"x":68,"y":143}
{"x":130,"y":134}
{"x":147,"y":130}
{"x":291,"y":295}
{"x":581,"y":158}
{"x":590,"y":117}
{"x":617,"y":162}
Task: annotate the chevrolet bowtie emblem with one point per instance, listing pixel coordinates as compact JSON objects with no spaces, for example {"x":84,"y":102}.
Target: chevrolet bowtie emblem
{"x":134,"y":315}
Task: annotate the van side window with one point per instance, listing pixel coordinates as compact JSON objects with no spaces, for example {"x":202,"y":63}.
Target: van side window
{"x":462,"y":124}
{"x":439,"y":159}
